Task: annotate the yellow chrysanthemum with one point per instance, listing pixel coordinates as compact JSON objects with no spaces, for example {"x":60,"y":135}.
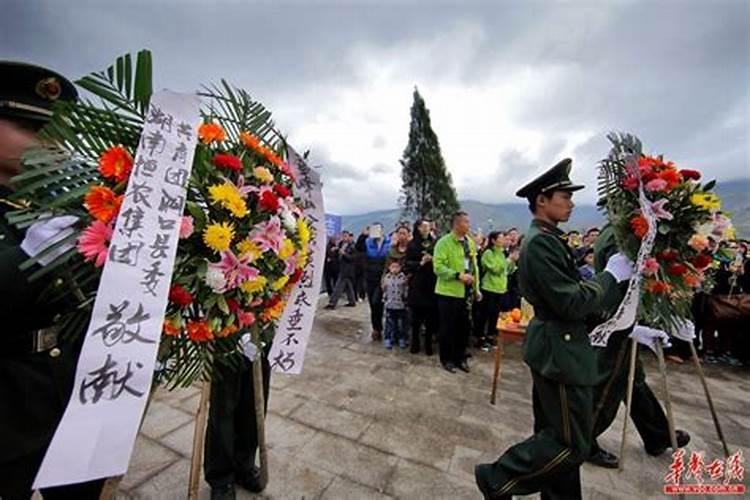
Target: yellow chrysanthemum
{"x":287,"y":249}
{"x":279,"y":283}
{"x":253,"y":286}
{"x":263,"y":174}
{"x":218,"y":236}
{"x":228,"y":197}
{"x":302,"y":260}
{"x":730,"y":233}
{"x":248,"y":248}
{"x":304,"y":232}
{"x":707,"y":201}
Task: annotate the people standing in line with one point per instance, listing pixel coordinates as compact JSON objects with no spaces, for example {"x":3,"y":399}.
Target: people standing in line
{"x":377,"y":247}
{"x":494,"y":286}
{"x":331,"y":266}
{"x":422,"y":299}
{"x":345,"y":282}
{"x":360,"y":255}
{"x":556,"y":348}
{"x":457,"y":286}
{"x":395,"y":292}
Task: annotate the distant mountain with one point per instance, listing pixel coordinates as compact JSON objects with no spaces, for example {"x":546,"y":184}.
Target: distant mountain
{"x":734,"y":193}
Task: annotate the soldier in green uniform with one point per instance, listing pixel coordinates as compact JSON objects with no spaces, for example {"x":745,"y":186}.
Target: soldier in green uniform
{"x":557,"y":349}
{"x":37,"y":367}
{"x":613,"y":364}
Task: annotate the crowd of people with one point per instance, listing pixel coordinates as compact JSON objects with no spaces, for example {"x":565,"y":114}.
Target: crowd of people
{"x":394,"y":272}
{"x":403,"y":279}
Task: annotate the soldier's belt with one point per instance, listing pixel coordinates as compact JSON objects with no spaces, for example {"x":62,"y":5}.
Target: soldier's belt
{"x":37,"y":341}
{"x":44,"y":339}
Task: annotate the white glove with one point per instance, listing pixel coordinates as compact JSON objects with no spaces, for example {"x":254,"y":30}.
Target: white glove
{"x":685,"y":330}
{"x":620,"y":266}
{"x":248,"y":347}
{"x":45,"y":233}
{"x":649,"y":336}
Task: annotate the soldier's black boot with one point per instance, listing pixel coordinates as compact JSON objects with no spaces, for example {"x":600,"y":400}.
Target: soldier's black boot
{"x":250,"y":480}
{"x":683,"y":438}
{"x":225,"y":492}
{"x":483,"y":486}
{"x":603,"y":458}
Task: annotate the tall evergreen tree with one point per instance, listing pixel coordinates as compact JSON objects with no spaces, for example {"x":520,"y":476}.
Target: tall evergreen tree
{"x":427,"y":188}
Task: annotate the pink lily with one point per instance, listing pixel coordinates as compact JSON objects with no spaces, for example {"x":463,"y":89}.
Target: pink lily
{"x":290,"y":265}
{"x":268,"y":235}
{"x":657,"y":208}
{"x":235,"y":269}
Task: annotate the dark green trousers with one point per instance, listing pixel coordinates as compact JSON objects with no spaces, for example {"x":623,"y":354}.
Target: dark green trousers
{"x":549,"y":461}
{"x":645,"y":410}
{"x":231,"y":432}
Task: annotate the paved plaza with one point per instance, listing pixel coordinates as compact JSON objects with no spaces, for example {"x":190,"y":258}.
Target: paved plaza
{"x":362,"y":422}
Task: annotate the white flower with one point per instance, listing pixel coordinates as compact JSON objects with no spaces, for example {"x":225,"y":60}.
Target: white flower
{"x":215,"y":279}
{"x":290,"y":223}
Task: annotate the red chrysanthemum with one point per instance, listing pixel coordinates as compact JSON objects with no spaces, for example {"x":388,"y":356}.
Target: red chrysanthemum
{"x":639,"y":225}
{"x":672,"y":177}
{"x":676,"y":269}
{"x":116,"y":163}
{"x":657,"y":286}
{"x":294,"y":278}
{"x":231,"y":162}
{"x":668,"y":255}
{"x":233,"y":305}
{"x":180,"y":296}
{"x":701,"y":261}
{"x":199,"y":331}
{"x":269,"y":202}
{"x":281,"y":190}
{"x":688,"y":174}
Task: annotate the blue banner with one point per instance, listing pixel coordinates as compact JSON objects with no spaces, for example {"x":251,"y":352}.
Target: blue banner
{"x":333,"y":225}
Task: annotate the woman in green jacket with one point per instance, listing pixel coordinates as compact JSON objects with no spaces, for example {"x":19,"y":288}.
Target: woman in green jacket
{"x":494,"y":285}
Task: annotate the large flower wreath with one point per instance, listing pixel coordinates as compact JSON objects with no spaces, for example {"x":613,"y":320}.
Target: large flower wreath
{"x":243,"y":239}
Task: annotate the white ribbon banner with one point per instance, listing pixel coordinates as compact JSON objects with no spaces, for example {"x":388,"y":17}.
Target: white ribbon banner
{"x":287,"y":353}
{"x":96,"y":435}
{"x":626,"y":313}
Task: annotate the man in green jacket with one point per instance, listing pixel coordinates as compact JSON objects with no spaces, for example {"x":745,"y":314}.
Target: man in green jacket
{"x":557,"y":349}
{"x":455,"y":265}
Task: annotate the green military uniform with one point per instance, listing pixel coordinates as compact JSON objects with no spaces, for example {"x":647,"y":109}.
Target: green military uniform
{"x":37,"y":367}
{"x":613,"y":364}
{"x":562,"y":362}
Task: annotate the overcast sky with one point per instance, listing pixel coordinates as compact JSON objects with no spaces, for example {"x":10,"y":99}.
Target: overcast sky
{"x":511,"y":86}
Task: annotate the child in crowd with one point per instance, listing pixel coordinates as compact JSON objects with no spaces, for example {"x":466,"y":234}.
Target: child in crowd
{"x":586,"y":269}
{"x":394,"y":298}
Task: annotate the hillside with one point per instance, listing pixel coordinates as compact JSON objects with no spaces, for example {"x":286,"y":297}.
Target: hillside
{"x":734,"y":193}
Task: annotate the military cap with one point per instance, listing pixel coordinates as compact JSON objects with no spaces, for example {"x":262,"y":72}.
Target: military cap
{"x":28,"y":92}
{"x":555,"y":179}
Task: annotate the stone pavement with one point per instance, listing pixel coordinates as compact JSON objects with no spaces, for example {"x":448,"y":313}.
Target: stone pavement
{"x":362,"y":422}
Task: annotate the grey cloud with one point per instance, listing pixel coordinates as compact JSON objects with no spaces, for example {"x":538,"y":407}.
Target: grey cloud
{"x":671,"y":72}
